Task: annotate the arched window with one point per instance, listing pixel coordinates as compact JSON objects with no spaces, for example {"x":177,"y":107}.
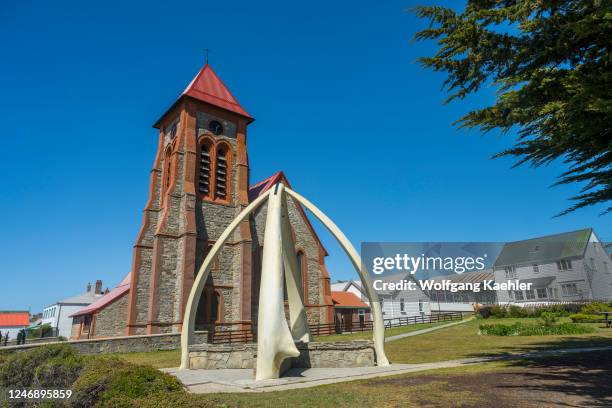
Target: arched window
{"x":222,"y":173}
{"x":303,"y":265}
{"x":204,"y":168}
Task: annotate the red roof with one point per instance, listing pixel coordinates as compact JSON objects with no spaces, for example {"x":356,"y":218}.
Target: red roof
{"x":347,"y":299}
{"x":208,"y":87}
{"x":14,"y":319}
{"x":264,"y":185}
{"x":105,"y":300}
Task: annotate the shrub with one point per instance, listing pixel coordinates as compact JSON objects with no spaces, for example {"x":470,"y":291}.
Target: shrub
{"x":522,"y":329}
{"x":55,"y":365}
{"x":593,"y":307}
{"x":549,"y":318}
{"x":584,"y":318}
{"x":499,"y":311}
{"x":112,"y":382}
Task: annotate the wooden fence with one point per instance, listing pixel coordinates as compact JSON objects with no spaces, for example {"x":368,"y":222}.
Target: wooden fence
{"x":247,"y":336}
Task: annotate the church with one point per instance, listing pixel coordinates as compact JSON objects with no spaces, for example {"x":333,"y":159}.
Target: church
{"x":198,"y":184}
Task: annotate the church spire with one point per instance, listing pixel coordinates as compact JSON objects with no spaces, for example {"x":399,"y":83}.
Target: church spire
{"x":207,"y":87}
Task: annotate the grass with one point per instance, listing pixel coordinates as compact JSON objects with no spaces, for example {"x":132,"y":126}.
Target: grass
{"x":462,"y":341}
{"x":450,"y":343}
{"x":382,"y":392}
{"x":157,"y":359}
{"x":459,"y":386}
{"x":389,"y":332}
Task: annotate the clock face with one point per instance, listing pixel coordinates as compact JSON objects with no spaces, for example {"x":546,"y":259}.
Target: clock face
{"x":215,"y":127}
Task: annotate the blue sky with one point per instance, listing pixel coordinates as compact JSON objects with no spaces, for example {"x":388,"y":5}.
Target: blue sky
{"x":341,"y":107}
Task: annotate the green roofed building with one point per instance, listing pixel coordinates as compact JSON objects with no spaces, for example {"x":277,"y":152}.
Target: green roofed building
{"x":570,"y":266}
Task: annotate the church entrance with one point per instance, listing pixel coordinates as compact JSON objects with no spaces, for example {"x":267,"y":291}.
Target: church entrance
{"x":209,"y":309}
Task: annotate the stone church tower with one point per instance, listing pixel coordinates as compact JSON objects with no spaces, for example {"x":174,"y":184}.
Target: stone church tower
{"x":199,"y":183}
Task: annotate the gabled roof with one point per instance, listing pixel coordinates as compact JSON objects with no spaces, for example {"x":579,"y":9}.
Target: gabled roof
{"x":105,"y":300}
{"x":264,"y":185}
{"x":546,"y":249}
{"x":347,"y":299}
{"x":207,"y":87}
{"x":82,"y":299}
{"x":467,"y":277}
{"x":14,"y":319}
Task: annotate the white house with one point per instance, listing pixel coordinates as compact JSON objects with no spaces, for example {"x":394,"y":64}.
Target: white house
{"x":351,"y":286}
{"x":403,"y":303}
{"x":58,"y":314}
{"x":11,"y":322}
{"x":394,"y":304}
{"x":569,"y":266}
{"x":462,"y":301}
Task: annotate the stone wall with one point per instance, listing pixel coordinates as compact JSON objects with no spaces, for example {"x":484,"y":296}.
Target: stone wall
{"x":123,"y":344}
{"x":359,"y":353}
{"x":110,"y":320}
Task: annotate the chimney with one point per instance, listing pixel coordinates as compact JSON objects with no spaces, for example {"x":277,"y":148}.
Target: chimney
{"x":88,"y":287}
{"x":98,"y":287}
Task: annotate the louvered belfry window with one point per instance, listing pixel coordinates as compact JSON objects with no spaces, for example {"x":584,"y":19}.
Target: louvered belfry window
{"x":205,"y":166}
{"x":221,"y":174}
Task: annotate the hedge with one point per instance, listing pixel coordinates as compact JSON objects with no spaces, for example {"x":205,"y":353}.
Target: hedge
{"x":522,"y":329}
{"x":585,"y":318}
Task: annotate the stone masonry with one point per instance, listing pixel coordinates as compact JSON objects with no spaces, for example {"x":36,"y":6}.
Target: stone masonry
{"x":358,"y":353}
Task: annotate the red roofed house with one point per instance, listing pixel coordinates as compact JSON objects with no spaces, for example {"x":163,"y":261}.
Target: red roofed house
{"x":199,"y":183}
{"x":349,"y":310}
{"x":13,"y":321}
{"x":109,"y":313}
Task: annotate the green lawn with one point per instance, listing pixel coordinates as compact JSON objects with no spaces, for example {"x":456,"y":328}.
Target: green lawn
{"x":463,"y":341}
{"x":444,"y":344}
{"x":157,"y":359}
{"x":368,"y":335}
{"x":466,"y":386}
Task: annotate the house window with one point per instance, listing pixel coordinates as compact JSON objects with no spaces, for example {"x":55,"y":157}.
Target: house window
{"x":607,"y":268}
{"x":530,"y":294}
{"x":518,"y":295}
{"x":564,"y":265}
{"x":204,"y":169}
{"x":420,"y":306}
{"x":536,"y":269}
{"x":510,"y":295}
{"x":510,"y":272}
{"x":541,"y":293}
{"x":569,"y":289}
{"x":402,"y":306}
{"x":222,"y":173}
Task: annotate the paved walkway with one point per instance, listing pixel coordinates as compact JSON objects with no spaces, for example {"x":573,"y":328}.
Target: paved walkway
{"x":423,"y":331}
{"x":241,"y":380}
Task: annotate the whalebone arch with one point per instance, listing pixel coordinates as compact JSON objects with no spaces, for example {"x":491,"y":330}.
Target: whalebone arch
{"x":275,"y":338}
